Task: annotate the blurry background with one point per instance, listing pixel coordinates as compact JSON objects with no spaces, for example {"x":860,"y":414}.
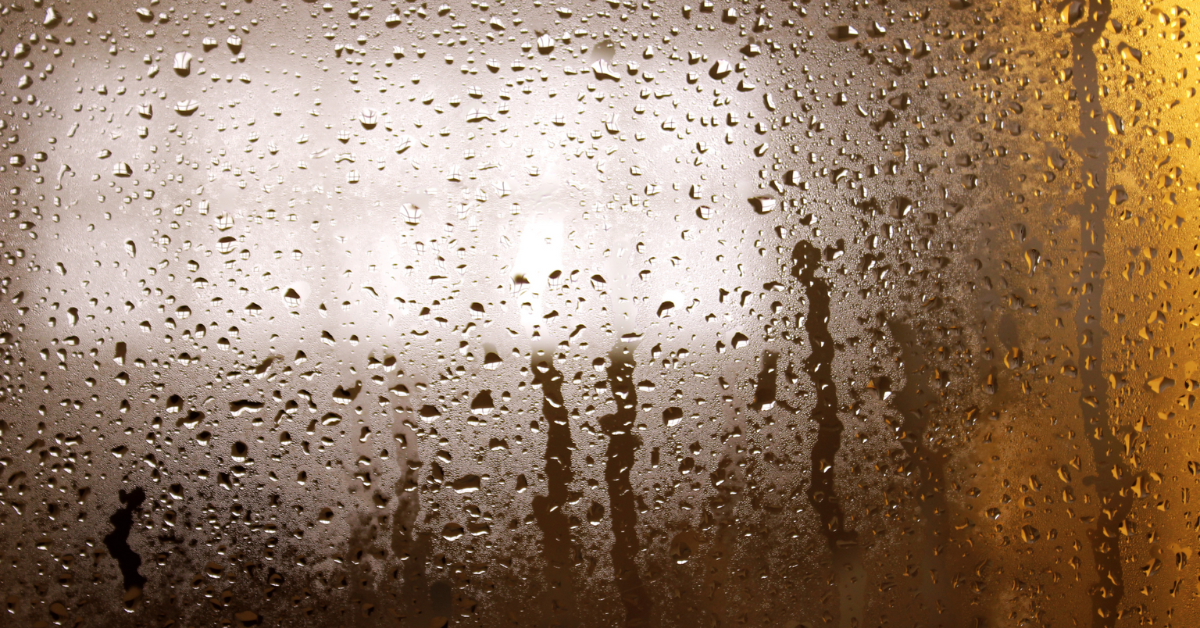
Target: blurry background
{"x":598,"y":313}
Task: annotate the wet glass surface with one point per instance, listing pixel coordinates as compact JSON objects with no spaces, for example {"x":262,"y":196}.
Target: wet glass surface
{"x":603,"y":313}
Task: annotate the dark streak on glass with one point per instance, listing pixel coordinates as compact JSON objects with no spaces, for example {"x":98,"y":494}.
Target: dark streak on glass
{"x":842,"y":541}
{"x":764,"y":390}
{"x":441,"y":599}
{"x":412,"y":551}
{"x":117,"y":541}
{"x":622,"y":445}
{"x":558,"y":547}
{"x":913,"y":401}
{"x":1091,"y":145}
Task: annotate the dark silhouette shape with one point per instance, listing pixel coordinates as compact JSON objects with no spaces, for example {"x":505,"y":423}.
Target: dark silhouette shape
{"x":117,"y":541}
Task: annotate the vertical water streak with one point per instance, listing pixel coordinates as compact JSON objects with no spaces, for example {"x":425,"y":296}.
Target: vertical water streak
{"x":1091,"y":145}
{"x":822,"y":493}
{"x":622,"y":447}
{"x":765,"y":387}
{"x":558,"y":546}
{"x":409,"y":546}
{"x":913,"y":401}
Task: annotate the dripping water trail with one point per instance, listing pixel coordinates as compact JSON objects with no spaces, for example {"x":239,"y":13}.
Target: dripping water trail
{"x":843,"y":541}
{"x":1091,"y":145}
{"x":930,"y":465}
{"x":558,"y":546}
{"x":117,"y":541}
{"x":764,"y":390}
{"x":410,"y":547}
{"x":622,"y":445}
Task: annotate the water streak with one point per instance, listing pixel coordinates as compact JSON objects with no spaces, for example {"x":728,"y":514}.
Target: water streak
{"x":822,"y":493}
{"x":622,"y":447}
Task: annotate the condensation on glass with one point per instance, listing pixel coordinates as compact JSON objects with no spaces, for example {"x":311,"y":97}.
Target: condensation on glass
{"x":598,"y":313}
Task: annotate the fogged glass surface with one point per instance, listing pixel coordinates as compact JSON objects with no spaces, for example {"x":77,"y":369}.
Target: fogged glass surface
{"x":598,"y":313}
